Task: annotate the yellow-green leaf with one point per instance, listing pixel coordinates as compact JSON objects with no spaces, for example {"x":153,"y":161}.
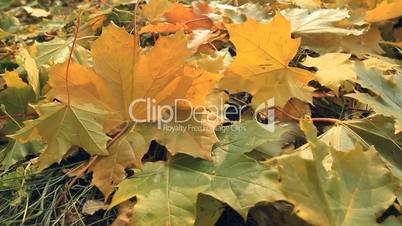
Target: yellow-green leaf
{"x":386,"y":99}
{"x":61,"y":126}
{"x":231,"y":177}
{"x":335,"y":188}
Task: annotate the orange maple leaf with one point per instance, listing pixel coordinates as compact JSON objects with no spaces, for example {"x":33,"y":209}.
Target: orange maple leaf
{"x":124,"y":73}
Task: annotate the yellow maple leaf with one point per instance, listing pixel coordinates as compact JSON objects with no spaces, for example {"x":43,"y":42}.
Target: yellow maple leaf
{"x":384,"y":11}
{"x":13,"y":80}
{"x":262,"y":47}
{"x":333,"y":69}
{"x":263,"y":54}
{"x":155,"y":9}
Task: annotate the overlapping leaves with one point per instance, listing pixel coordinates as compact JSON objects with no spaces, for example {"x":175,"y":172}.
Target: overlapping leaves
{"x":231,"y":177}
{"x":331,"y":187}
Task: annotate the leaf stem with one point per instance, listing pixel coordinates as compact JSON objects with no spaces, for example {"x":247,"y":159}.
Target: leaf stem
{"x":137,"y":4}
{"x":196,"y":20}
{"x":77,"y":28}
{"x":329,"y":120}
{"x":32,"y":115}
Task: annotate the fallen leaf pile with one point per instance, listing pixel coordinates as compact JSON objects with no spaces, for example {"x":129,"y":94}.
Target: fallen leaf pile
{"x":207,"y":80}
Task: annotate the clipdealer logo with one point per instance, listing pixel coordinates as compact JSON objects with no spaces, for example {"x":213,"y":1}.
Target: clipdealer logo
{"x":164,"y":114}
{"x":268,"y":107}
